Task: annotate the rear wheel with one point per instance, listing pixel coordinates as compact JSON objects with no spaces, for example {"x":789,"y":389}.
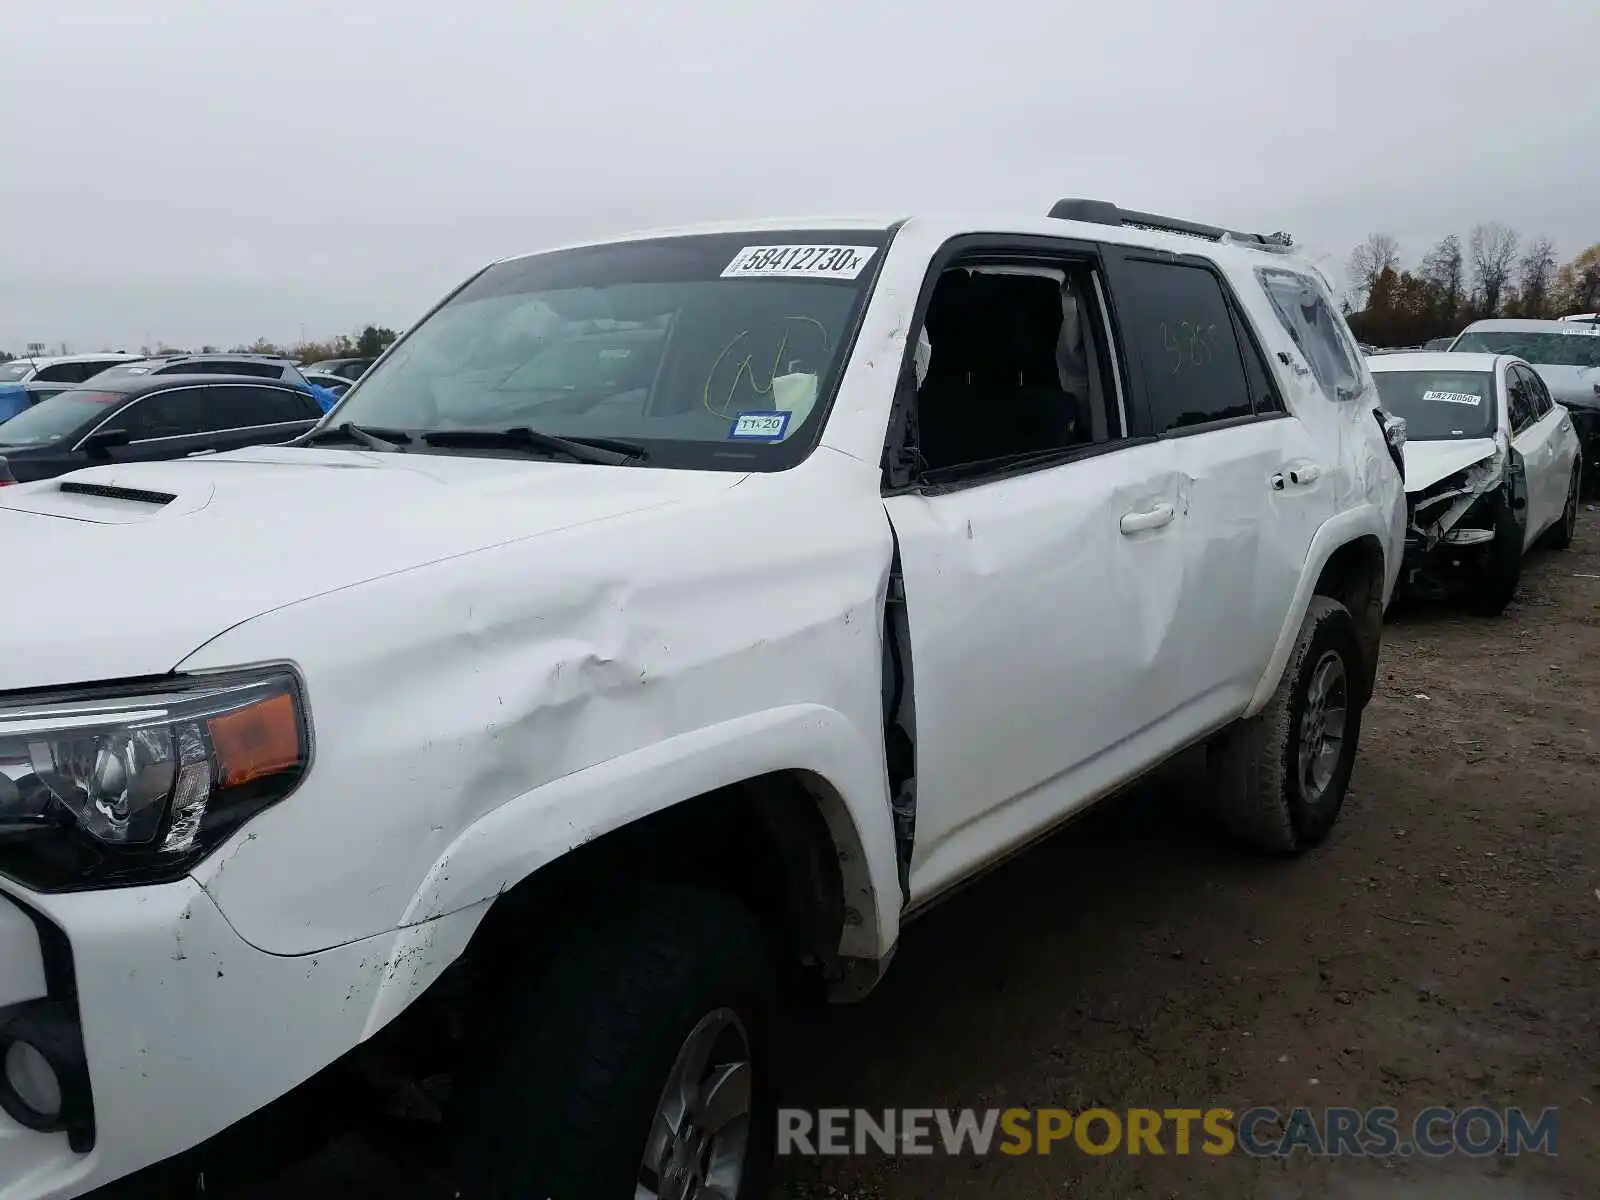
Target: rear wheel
{"x":1561,"y":533}
{"x":1278,"y":779}
{"x":636,"y":1066}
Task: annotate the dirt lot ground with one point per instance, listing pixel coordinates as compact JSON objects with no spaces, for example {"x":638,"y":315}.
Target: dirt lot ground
{"x":1442,"y":948}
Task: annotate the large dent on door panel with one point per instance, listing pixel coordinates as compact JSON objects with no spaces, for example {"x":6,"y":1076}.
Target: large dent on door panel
{"x":549,"y":690}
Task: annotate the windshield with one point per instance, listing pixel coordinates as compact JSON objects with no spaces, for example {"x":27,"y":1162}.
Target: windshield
{"x":60,"y":417}
{"x":1576,"y":349}
{"x":708,"y":352}
{"x":15,"y":372}
{"x":1436,"y":405}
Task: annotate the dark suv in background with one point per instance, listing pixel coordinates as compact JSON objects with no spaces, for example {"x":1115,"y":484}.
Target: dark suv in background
{"x":140,"y":418}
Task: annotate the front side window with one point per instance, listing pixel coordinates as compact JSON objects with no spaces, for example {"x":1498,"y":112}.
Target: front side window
{"x":1542,"y":403}
{"x":1310,"y":318}
{"x":165,"y":414}
{"x":1576,"y":349}
{"x":1519,"y":406}
{"x":1013,"y":368}
{"x":706,"y":352}
{"x":61,"y":416}
{"x":1440,"y":405}
{"x":1524,"y":398}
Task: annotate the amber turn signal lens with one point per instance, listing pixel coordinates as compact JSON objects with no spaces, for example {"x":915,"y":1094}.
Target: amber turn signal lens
{"x":256,"y":741}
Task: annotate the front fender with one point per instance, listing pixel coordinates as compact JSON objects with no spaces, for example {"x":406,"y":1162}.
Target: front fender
{"x":1366,"y":520}
{"x":513,"y":841}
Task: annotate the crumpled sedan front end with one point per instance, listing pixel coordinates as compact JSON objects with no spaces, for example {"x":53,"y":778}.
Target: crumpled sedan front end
{"x":1454,"y":512}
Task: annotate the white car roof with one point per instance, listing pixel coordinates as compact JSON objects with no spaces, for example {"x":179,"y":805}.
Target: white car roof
{"x":1436,"y":360}
{"x":1529,"y":325}
{"x":949,"y":225}
{"x":50,"y":360}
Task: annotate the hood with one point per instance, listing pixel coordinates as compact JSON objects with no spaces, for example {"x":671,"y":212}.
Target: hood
{"x":1429,"y":462}
{"x":1571,"y":385}
{"x":131,"y":578}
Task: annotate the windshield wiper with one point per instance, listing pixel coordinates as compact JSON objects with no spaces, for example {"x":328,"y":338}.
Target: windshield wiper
{"x":602,"y":452}
{"x":391,"y":440}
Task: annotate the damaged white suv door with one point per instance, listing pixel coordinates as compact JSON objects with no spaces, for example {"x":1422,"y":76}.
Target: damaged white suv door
{"x":1100,"y":480}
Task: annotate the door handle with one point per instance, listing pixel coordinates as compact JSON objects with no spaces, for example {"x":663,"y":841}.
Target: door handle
{"x":1302,"y":474}
{"x":1138,"y":522}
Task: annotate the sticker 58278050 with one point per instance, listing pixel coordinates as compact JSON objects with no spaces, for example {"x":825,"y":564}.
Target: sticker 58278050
{"x":799,"y":262}
{"x":1453,"y":398}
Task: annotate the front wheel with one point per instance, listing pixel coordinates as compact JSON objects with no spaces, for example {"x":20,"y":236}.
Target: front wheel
{"x":1278,"y":779}
{"x":637,"y":1066}
{"x":1500,"y":570}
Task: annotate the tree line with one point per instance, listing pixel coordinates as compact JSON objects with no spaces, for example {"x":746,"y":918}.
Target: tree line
{"x":1494,"y":274}
{"x":370,"y":342}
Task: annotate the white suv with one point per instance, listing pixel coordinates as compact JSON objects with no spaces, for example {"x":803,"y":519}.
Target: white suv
{"x":657,"y":620}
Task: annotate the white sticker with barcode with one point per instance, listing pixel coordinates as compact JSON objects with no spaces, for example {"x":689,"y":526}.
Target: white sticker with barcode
{"x":1453,"y":398}
{"x":799,"y":262}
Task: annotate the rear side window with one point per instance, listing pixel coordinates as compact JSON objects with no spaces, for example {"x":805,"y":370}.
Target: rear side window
{"x":242,"y":406}
{"x":1311,"y":320}
{"x":1176,"y":318}
{"x":91,"y":369}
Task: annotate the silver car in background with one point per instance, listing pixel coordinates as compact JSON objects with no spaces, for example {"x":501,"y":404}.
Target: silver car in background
{"x":1565,"y":353}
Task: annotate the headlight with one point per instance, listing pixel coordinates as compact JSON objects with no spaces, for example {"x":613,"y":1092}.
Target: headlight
{"x":105,"y":789}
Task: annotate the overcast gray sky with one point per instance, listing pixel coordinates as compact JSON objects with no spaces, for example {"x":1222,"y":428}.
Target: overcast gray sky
{"x":207,"y":171}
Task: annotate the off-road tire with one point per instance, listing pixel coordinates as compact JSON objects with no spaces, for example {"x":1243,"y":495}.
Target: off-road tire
{"x":1498,"y":574}
{"x":1559,"y":536}
{"x":1254,"y":764}
{"x":558,"y":1098}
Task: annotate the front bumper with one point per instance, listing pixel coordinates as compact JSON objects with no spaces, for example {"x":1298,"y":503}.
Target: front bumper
{"x":185,"y":1028}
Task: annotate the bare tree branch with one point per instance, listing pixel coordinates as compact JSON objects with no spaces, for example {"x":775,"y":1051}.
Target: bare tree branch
{"x":1536,"y":276}
{"x":1494,"y":252}
{"x":1444,"y":269}
{"x":1377,"y":254}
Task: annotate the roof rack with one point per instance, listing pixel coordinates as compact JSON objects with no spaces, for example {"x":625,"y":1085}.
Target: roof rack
{"x":1103,"y":212}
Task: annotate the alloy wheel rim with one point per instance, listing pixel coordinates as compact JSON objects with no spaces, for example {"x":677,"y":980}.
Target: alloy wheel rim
{"x":700,"y":1136}
{"x":1323,"y":726}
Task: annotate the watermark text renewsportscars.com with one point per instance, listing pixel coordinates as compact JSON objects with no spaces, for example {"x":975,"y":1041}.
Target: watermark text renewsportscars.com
{"x":1256,"y":1132}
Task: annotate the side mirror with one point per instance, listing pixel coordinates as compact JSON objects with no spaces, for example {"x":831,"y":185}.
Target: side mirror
{"x":100,"y":442}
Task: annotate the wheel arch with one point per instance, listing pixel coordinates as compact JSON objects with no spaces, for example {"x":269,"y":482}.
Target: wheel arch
{"x":1347,"y":562}
{"x":788,"y":812}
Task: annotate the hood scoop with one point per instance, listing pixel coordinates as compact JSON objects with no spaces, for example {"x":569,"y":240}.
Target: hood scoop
{"x":108,"y":496}
{"x":106,"y":491}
